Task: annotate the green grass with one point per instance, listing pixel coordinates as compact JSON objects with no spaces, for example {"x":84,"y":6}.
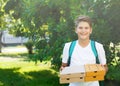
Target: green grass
{"x":22,"y":72}
{"x":18,"y":72}
{"x":13,"y":55}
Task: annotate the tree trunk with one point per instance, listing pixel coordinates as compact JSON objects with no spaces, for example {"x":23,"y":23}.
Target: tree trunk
{"x":1,"y":33}
{"x":30,"y":51}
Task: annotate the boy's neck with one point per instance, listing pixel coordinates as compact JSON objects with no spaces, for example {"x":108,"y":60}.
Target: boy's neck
{"x":83,"y":43}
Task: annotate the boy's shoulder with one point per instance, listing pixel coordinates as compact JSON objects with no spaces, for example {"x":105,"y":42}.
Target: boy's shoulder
{"x":98,"y":44}
{"x":69,"y":43}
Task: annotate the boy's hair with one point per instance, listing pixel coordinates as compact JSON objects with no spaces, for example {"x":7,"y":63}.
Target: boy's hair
{"x":83,"y":18}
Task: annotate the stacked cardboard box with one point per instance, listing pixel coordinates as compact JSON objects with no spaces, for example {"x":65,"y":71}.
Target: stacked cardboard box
{"x":83,"y":73}
{"x":72,"y":74}
{"x":94,"y":72}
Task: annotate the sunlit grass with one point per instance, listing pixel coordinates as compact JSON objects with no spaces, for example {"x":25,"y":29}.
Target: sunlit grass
{"x":19,"y":72}
{"x":16,"y":69}
{"x":1,"y":83}
{"x":25,"y":66}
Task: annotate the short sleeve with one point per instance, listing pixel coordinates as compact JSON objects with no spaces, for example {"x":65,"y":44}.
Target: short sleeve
{"x":65,"y":53}
{"x":101,"y":53}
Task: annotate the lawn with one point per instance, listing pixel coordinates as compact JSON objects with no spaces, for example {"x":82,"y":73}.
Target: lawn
{"x":19,"y":72}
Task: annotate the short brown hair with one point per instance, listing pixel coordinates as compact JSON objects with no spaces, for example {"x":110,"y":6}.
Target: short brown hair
{"x":83,"y":18}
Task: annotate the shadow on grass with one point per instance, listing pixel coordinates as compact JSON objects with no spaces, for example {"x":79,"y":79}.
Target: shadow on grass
{"x":14,"y":55}
{"x":8,"y":77}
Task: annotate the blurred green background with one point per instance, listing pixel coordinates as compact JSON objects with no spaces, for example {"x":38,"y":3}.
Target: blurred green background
{"x":49,"y":24}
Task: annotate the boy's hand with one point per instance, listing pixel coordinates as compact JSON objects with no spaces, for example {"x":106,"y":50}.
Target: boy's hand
{"x":63,"y":66}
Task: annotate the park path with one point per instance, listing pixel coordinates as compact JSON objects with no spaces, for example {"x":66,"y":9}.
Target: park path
{"x":11,"y":50}
{"x":18,"y":49}
{"x":8,"y":59}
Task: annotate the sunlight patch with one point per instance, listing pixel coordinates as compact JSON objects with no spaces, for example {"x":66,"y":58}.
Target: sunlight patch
{"x":1,"y":83}
{"x":28,"y":77}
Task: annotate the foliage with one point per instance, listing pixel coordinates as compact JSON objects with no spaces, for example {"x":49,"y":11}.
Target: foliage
{"x":113,"y":73}
{"x":2,"y":21}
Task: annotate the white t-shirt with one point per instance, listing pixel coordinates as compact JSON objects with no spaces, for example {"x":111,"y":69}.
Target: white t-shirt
{"x":81,"y":56}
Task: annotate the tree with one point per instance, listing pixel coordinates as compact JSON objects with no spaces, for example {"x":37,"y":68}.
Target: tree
{"x":34,"y":15}
{"x":2,"y":21}
{"x":53,"y":22}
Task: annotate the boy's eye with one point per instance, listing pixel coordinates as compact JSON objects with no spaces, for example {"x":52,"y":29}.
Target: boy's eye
{"x":86,"y":27}
{"x":80,"y":28}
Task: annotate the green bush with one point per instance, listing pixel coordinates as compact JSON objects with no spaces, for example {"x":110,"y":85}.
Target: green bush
{"x":113,"y":73}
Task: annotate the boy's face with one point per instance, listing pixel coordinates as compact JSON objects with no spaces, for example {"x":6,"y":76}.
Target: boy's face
{"x":83,"y":30}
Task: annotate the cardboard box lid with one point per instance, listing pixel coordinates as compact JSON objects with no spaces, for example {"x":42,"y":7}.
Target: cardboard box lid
{"x":73,"y":69}
{"x":94,"y":67}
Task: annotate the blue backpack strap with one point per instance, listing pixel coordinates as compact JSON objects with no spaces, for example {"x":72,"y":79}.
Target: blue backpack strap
{"x":95,"y":51}
{"x":72,"y":45}
{"x":101,"y":83}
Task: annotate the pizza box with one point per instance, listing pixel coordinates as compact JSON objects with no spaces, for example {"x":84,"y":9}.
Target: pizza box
{"x":94,"y":72}
{"x":82,"y":73}
{"x":71,"y":79}
{"x":72,"y":74}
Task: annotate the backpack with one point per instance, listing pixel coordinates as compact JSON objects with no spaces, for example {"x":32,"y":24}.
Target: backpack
{"x":72,"y":45}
